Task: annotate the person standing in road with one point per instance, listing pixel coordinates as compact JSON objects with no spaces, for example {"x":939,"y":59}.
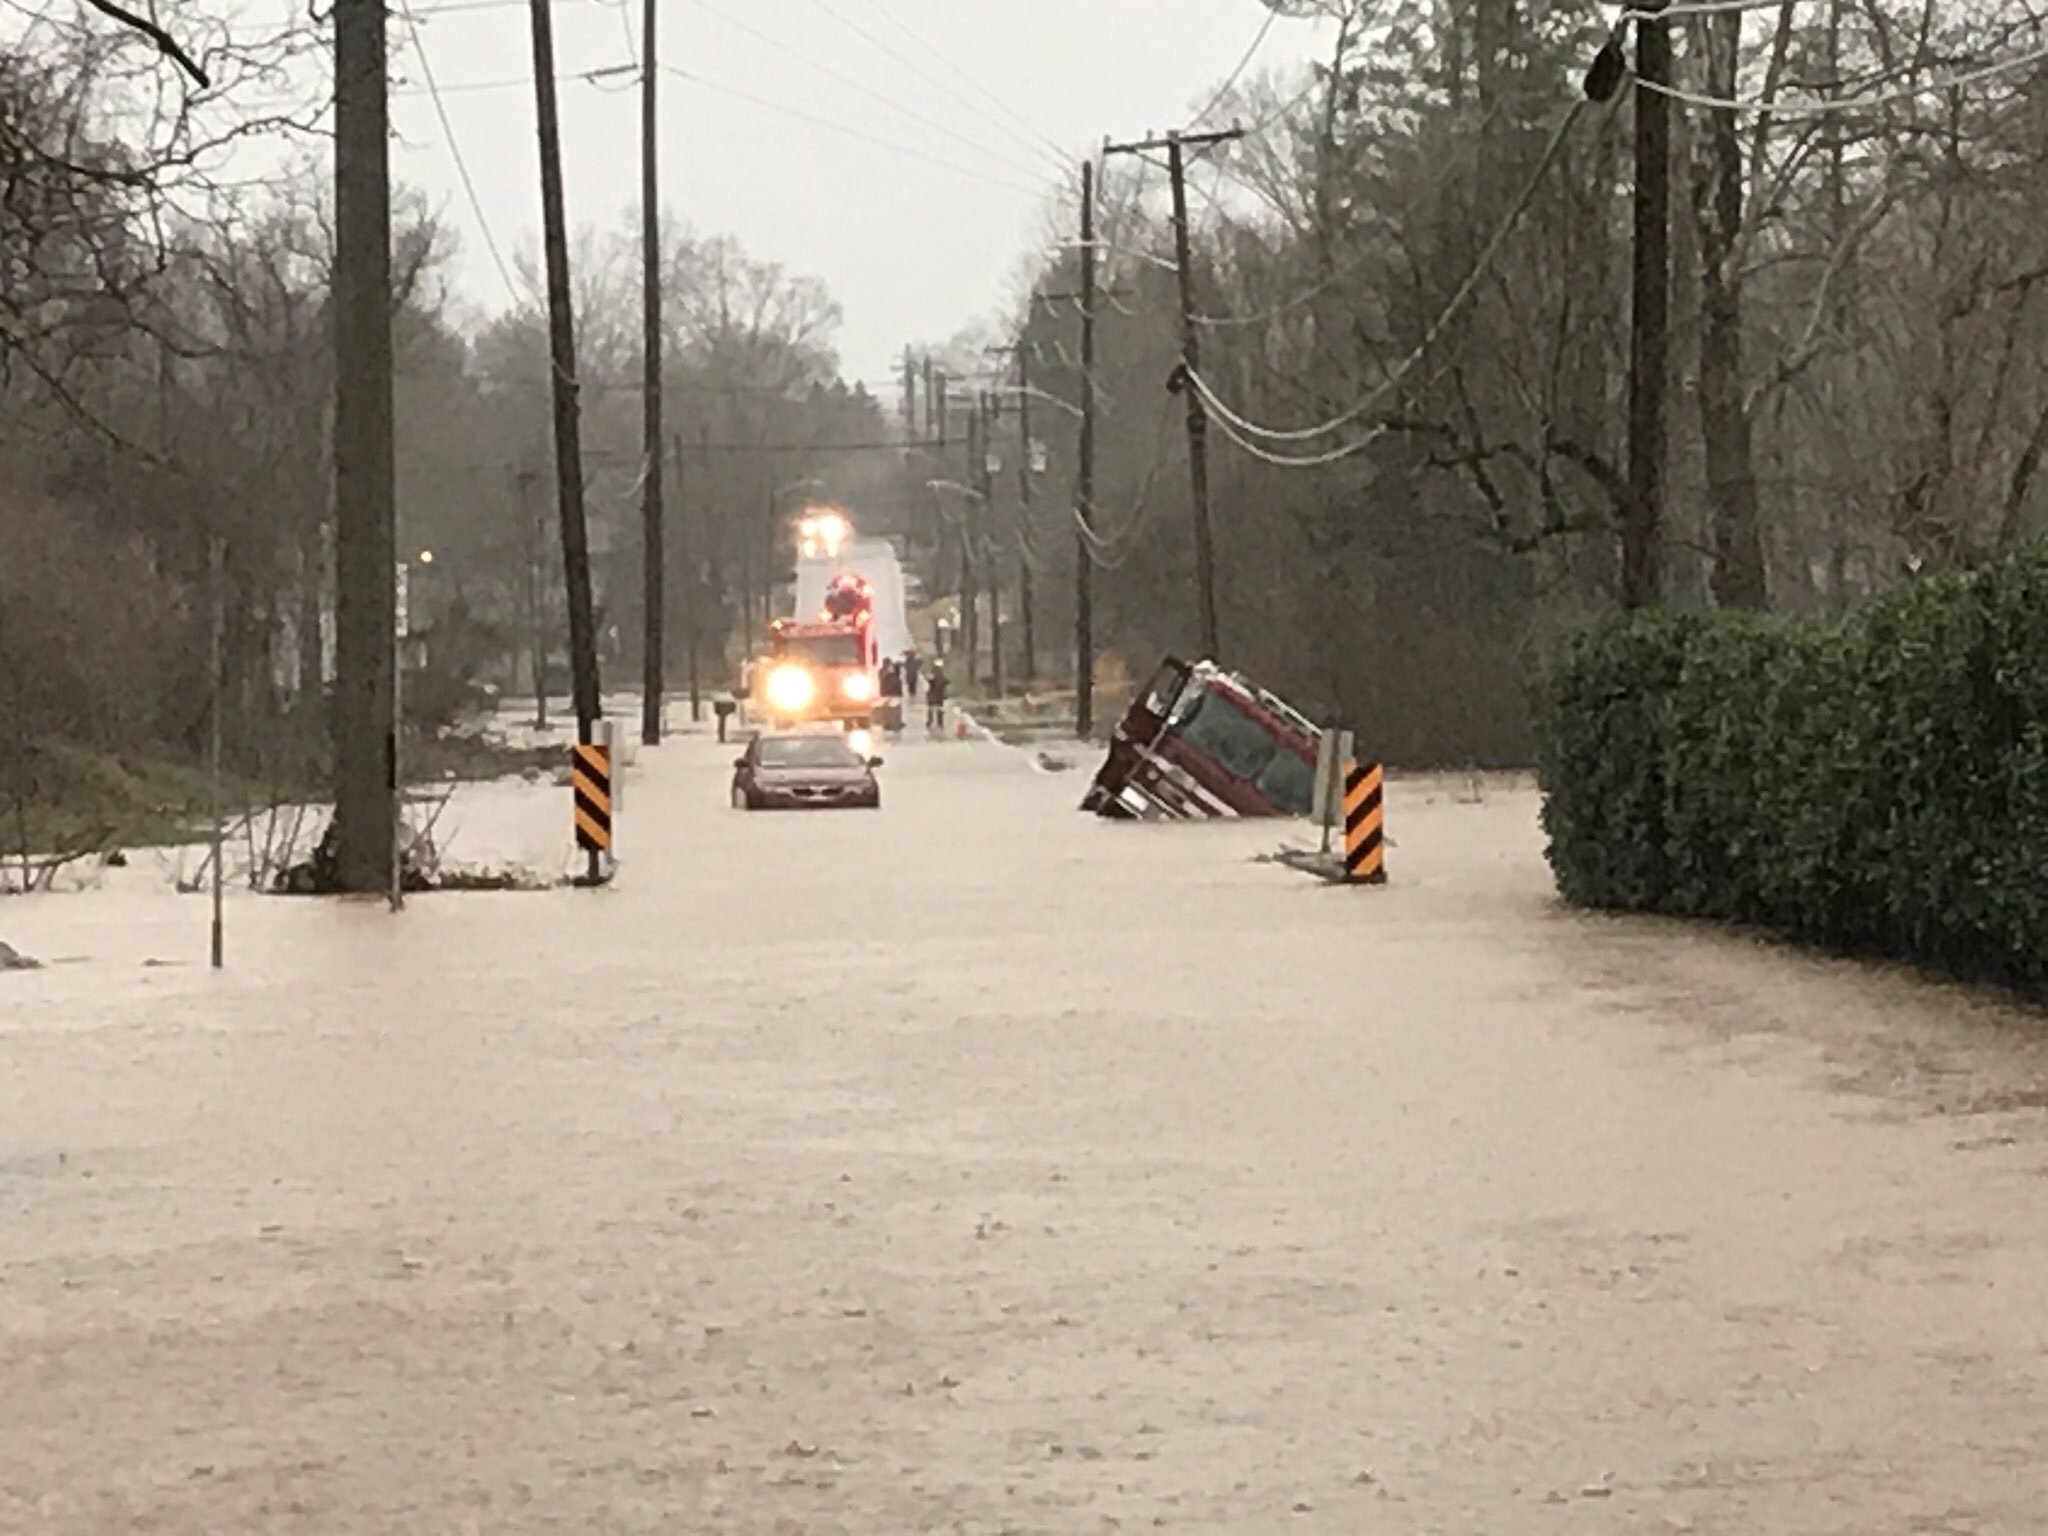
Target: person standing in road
{"x":892,"y":696}
{"x":935,"y":698}
{"x":911,"y":663}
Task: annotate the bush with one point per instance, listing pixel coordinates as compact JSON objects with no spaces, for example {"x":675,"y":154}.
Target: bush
{"x":1878,"y":782}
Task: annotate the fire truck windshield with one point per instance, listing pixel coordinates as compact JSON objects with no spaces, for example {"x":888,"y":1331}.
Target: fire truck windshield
{"x":1245,"y":747}
{"x":823,"y":650}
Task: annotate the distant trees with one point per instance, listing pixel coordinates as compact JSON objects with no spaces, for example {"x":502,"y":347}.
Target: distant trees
{"x":1856,"y":377}
{"x":166,"y":380}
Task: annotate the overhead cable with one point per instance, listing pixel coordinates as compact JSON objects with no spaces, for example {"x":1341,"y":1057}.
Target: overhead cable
{"x":1230,"y":82}
{"x":1058,"y":156}
{"x":1480,"y":267}
{"x":855,"y":84}
{"x":1830,"y":107}
{"x":1112,"y":550}
{"x":1057,"y":151}
{"x":851,"y":132}
{"x":476,"y":205}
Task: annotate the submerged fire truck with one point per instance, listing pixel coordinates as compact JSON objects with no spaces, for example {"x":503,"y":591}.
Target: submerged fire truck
{"x":824,"y":670}
{"x":1201,"y":742}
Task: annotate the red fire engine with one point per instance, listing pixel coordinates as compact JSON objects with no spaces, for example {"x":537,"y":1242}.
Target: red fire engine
{"x":824,"y":669}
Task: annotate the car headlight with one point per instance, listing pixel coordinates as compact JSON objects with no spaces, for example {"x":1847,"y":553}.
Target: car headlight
{"x":790,"y":688}
{"x":859,"y":687}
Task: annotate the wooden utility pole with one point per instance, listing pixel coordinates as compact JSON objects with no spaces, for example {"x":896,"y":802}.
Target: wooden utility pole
{"x":985,"y":470}
{"x":1642,"y":534}
{"x":1084,"y":478}
{"x":562,"y":350}
{"x":653,"y":586}
{"x":693,"y":590}
{"x":365,"y":478}
{"x":1084,"y":485}
{"x":1027,"y":541}
{"x":1026,"y":596}
{"x":1176,"y":145}
{"x":970,"y":599}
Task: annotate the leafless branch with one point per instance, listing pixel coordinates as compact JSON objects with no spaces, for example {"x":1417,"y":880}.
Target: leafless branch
{"x":167,"y":45}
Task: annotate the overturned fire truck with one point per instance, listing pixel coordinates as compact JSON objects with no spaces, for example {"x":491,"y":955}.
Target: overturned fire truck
{"x":1200,"y":742}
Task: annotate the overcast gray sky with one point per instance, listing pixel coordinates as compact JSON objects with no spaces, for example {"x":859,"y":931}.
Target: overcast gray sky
{"x":913,"y":206}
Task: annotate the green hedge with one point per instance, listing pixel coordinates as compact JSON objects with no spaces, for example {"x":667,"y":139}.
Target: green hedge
{"x":1873,"y":783}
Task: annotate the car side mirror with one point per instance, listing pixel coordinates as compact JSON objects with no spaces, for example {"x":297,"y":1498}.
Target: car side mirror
{"x":874,"y":762}
{"x":739,"y":762}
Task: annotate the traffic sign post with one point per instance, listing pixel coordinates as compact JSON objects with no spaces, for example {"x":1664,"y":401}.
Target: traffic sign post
{"x":1333,"y":751}
{"x":590,"y":785}
{"x":1365,"y":856}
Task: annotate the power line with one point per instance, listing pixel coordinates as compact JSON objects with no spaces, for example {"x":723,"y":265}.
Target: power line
{"x":1212,"y":195}
{"x":602,"y":73}
{"x":1109,"y":552}
{"x":1058,"y":152}
{"x":852,"y":82}
{"x":826,"y":9}
{"x":1240,"y":429}
{"x":518,"y":82}
{"x":1699,"y":8}
{"x":851,"y":132}
{"x":476,"y":204}
{"x":1230,"y":83}
{"x":1287,"y":306}
{"x":1829,"y":107}
{"x":795,"y":394}
{"x":878,"y":445}
{"x":625,"y":28}
{"x":462,"y":7}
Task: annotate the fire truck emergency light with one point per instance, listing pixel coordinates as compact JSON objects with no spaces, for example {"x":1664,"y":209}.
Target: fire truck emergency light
{"x":822,"y":533}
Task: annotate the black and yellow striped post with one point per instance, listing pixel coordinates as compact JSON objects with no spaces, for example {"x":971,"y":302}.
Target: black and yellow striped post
{"x":1365,"y":853}
{"x":590,"y":782}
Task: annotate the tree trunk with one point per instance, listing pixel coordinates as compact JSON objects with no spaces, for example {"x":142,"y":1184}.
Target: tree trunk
{"x":1738,"y":579}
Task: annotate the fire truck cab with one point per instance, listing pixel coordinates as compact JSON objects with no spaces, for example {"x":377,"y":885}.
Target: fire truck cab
{"x":1201,"y":742}
{"x":824,"y":670}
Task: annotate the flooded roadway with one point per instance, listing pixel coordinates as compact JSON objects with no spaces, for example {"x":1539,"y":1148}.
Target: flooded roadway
{"x":1046,"y":1176}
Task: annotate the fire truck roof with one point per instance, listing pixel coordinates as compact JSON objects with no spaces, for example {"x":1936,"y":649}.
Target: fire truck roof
{"x":806,"y":628}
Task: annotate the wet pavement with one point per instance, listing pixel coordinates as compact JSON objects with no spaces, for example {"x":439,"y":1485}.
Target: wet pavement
{"x":979,"y":1166}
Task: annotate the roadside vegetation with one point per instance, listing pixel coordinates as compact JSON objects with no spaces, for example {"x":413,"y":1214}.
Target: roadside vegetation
{"x":1874,"y":783}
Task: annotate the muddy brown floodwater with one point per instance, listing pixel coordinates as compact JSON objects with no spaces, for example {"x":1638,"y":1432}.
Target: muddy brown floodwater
{"x":1039,"y":1176}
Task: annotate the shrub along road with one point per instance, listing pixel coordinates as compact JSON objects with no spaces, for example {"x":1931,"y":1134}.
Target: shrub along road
{"x":1877,"y":782}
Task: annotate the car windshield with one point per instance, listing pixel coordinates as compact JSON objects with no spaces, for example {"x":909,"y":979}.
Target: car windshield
{"x":1214,"y":726}
{"x":824,"y":650}
{"x":808,"y":752}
